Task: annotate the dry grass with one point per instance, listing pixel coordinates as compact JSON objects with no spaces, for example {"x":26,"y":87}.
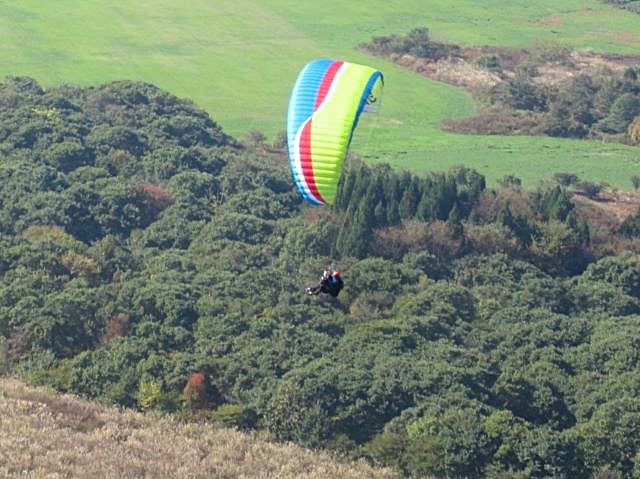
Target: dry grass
{"x":463,"y":72}
{"x":455,"y":71}
{"x":582,"y":63}
{"x":47,"y":435}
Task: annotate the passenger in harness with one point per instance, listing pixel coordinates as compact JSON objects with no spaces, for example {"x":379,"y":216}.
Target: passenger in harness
{"x":330,"y":283}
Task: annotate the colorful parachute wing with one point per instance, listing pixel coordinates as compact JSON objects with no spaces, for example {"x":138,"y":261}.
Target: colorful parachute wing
{"x":325,"y":106}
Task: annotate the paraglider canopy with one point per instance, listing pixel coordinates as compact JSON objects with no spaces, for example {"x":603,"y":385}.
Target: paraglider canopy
{"x":325,"y":106}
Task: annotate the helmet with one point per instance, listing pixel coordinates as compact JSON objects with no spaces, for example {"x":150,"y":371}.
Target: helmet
{"x":336,"y":274}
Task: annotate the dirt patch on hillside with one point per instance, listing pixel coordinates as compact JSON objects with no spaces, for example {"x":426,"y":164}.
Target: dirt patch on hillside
{"x":582,"y":63}
{"x":454,"y":71}
{"x":609,"y":208}
{"x":466,"y":73}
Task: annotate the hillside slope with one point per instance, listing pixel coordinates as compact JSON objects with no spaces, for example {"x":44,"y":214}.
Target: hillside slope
{"x":44,"y":434}
{"x":239,"y":60}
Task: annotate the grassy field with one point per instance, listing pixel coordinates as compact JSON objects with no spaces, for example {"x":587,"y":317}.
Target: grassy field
{"x":238,"y":60}
{"x":44,"y":434}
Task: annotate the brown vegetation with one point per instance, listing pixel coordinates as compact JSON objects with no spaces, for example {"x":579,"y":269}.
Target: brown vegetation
{"x":497,"y":122}
{"x":605,"y":214}
{"x":436,"y":238}
{"x":610,"y":208}
{"x":195,"y":392}
{"x":157,"y":197}
{"x":116,"y":327}
{"x":43,"y":434}
{"x":464,"y":71}
{"x":455,"y":71}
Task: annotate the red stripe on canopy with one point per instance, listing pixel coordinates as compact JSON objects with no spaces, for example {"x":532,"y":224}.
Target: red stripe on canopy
{"x":305,"y":138}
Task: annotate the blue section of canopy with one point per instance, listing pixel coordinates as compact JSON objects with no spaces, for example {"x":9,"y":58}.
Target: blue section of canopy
{"x":301,"y":106}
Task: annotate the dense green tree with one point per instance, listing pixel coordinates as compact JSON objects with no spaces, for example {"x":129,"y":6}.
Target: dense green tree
{"x":623,"y":110}
{"x":611,"y":437}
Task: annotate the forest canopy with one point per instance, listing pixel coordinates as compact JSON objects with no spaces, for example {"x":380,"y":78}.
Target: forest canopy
{"x":152,"y":261}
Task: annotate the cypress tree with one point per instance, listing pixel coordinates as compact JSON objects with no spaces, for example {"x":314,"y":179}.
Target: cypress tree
{"x":363,"y":176}
{"x":424,"y":211}
{"x":359,"y":238}
{"x":355,"y":236}
{"x":409,"y":201}
{"x":393,"y":215}
{"x":518,"y":225}
{"x":345,"y":190}
{"x":505,"y":217}
{"x":454,"y":222}
{"x":390,"y":188}
{"x":340,"y":244}
{"x":583,"y":231}
{"x":447,"y":194}
{"x":561,"y":206}
{"x":375,"y":193}
{"x":631,"y":226}
{"x":554,"y":203}
{"x":572,"y":221}
{"x":360,"y":186}
{"x":380,"y":215}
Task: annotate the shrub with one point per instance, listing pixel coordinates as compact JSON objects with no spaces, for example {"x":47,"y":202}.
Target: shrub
{"x":552,"y":51}
{"x":149,"y":393}
{"x":490,"y":61}
{"x":589,"y":189}
{"x":510,"y":181}
{"x":631,"y":226}
{"x":566,"y":179}
{"x":417,"y":43}
{"x":633,"y":130}
{"x":235,"y":415}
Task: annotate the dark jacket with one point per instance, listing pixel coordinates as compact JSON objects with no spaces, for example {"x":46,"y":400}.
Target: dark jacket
{"x":333,"y":285}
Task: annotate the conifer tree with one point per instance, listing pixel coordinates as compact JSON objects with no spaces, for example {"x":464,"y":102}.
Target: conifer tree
{"x":390,"y":188}
{"x":583,"y":231}
{"x":447,"y":193}
{"x":410,"y":200}
{"x":357,"y":243}
{"x":393,"y":215}
{"x":355,"y":236}
{"x":425,"y":208}
{"x":345,"y":190}
{"x":380,"y":215}
{"x":553,"y":203}
{"x":454,"y":222}
{"x":505,"y":217}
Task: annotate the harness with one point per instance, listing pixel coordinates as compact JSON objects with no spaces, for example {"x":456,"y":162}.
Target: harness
{"x":334,"y":285}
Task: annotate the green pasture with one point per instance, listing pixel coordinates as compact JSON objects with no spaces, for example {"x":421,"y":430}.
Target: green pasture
{"x":239,"y":58}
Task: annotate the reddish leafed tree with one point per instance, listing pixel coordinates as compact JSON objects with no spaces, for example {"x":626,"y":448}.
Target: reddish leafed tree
{"x":195,"y":392}
{"x":157,"y":198}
